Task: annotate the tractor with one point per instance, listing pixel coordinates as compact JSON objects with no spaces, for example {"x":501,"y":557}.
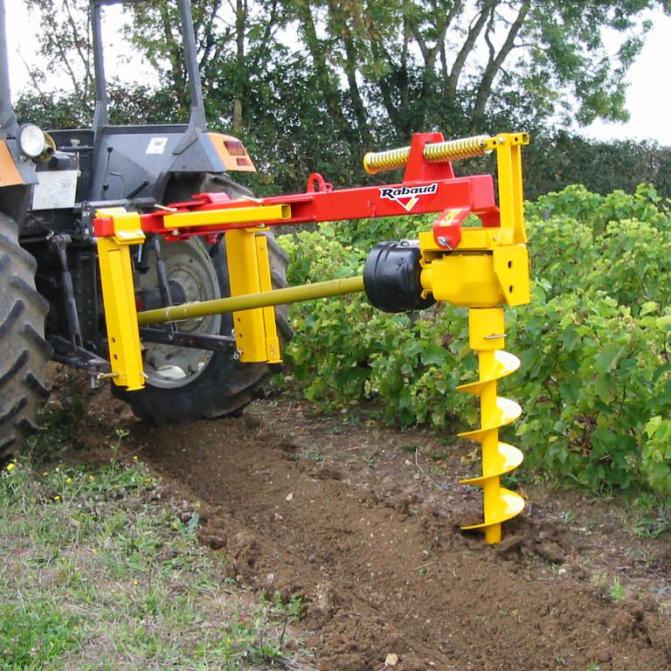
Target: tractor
{"x":131,"y":253}
{"x":51,"y":185}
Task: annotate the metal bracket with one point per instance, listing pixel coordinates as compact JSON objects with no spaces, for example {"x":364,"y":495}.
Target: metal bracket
{"x":79,"y":357}
{"x":213,"y":343}
{"x":116,"y":278}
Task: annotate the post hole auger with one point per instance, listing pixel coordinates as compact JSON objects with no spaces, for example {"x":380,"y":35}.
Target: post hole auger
{"x":482,"y":268}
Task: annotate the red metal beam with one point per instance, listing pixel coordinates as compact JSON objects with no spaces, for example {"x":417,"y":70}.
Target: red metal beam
{"x":426,"y":187}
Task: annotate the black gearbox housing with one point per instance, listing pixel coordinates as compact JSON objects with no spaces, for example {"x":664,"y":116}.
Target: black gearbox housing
{"x":391,"y":277}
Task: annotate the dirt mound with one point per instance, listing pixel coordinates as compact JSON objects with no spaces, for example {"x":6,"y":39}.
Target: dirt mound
{"x":364,"y":524}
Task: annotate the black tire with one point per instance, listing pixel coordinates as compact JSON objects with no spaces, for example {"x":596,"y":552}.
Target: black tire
{"x":226,"y":385}
{"x":23,"y":350}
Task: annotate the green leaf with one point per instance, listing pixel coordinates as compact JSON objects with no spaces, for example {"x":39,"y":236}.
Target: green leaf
{"x":434,"y":355}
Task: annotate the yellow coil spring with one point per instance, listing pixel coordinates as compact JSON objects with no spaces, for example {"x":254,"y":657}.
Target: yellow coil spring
{"x":454,"y":150}
{"x":451,"y":150}
{"x":498,"y":458}
{"x":385,"y":160}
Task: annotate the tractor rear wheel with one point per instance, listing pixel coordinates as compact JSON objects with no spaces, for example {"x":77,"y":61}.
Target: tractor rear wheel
{"x":185,"y":384}
{"x":23,"y":350}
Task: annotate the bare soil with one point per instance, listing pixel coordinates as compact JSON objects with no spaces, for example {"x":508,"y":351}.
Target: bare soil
{"x":363,"y":522}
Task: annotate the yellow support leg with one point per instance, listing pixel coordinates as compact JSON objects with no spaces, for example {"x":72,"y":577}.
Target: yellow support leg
{"x":116,"y":278}
{"x":266,"y":283}
{"x":249,"y":273}
{"x":486,"y":337}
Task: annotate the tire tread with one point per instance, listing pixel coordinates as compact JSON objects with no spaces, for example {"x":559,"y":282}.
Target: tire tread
{"x":24,"y":352}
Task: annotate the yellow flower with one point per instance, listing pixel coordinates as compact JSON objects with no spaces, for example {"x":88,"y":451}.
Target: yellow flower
{"x":11,"y":466}
{"x":68,"y":481}
{"x":57,"y":498}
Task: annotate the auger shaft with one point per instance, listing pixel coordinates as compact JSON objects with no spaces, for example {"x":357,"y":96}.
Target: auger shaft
{"x":490,"y":441}
{"x":486,"y":337}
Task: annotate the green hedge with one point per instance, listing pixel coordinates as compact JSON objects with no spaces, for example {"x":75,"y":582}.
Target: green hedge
{"x":595,"y":343}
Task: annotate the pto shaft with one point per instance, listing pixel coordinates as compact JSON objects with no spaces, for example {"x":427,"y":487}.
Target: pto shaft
{"x":304,"y":292}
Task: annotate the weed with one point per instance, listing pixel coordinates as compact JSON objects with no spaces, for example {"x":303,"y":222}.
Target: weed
{"x":437,"y":470}
{"x":600,"y":580}
{"x":116,"y":444}
{"x":616,"y":591}
{"x":33,"y":634}
{"x":292,"y":608}
{"x":59,"y":426}
{"x":649,"y":517}
{"x":312,"y":455}
{"x":567,"y":517}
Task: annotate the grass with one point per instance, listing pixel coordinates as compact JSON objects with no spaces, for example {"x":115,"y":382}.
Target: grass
{"x":99,"y":572}
{"x":616,"y":591}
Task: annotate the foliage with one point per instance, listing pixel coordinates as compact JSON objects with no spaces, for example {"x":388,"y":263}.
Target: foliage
{"x":403,"y":65}
{"x":29,"y":639}
{"x":128,"y":104}
{"x":65,"y":44}
{"x":346,"y":351}
{"x":595,"y":343}
{"x":313,"y":84}
{"x":555,"y":160}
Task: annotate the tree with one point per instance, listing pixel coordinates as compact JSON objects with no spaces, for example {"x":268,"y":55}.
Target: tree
{"x":65,"y":47}
{"x":313,"y":84}
{"x":457,"y":63}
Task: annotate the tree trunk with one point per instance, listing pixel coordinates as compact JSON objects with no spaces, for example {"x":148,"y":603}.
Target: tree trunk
{"x":240,"y":24}
{"x":495,"y":63}
{"x":324,"y":76}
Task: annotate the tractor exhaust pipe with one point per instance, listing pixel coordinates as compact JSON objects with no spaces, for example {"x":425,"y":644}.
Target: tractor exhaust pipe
{"x":7,"y":118}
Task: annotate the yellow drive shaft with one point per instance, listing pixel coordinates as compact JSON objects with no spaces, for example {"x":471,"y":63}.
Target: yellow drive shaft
{"x":303,"y":292}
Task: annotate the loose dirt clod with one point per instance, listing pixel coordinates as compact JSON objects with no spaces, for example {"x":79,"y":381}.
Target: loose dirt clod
{"x":391,"y":659}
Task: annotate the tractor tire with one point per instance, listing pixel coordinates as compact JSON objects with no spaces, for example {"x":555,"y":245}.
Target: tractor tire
{"x":222,"y":385}
{"x":23,"y":350}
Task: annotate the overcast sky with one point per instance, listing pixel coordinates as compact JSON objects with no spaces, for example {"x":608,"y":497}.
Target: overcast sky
{"x":648,"y":99}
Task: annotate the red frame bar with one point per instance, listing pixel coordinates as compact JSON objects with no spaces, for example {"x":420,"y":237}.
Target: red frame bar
{"x":426,"y":187}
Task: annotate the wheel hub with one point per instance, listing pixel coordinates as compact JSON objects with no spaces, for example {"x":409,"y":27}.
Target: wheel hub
{"x":191,"y":277}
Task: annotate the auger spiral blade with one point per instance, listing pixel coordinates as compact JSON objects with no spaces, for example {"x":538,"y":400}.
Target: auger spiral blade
{"x":499,"y":504}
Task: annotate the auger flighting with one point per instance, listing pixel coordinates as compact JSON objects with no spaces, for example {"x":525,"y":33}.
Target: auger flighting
{"x":486,"y":335}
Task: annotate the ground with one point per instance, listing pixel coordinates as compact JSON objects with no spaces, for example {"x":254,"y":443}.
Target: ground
{"x":362,"y":523}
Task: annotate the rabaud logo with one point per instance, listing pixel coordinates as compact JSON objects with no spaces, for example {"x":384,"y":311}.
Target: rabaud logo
{"x":407,"y":196}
